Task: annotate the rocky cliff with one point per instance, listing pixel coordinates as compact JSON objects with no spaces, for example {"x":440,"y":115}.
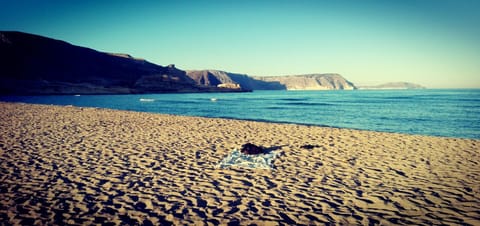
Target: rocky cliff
{"x":32,"y":64}
{"x":295,"y":82}
{"x":215,"y":77}
{"x":311,"y":82}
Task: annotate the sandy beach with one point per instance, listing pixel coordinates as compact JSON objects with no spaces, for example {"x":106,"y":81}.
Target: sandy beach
{"x":83,"y":166}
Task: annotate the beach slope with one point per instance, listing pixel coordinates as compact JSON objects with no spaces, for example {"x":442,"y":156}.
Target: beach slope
{"x":82,"y":166}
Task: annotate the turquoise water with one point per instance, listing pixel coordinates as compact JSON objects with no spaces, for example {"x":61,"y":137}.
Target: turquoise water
{"x":450,"y":113}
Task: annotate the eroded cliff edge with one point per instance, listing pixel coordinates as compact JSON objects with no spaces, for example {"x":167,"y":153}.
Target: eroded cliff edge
{"x":290,"y":82}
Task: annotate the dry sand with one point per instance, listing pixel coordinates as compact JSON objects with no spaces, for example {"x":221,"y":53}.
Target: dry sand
{"x":69,"y":165}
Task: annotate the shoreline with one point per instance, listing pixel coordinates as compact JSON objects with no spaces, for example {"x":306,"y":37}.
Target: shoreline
{"x":83,"y":165}
{"x":315,"y":125}
{"x":250,"y":120}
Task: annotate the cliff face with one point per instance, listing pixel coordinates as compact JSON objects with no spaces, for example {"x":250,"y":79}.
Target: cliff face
{"x":215,"y":77}
{"x":31,"y":64}
{"x":311,"y":82}
{"x":210,"y":77}
{"x":294,"y":82}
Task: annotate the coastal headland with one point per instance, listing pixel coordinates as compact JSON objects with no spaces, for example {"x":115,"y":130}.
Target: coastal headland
{"x":35,"y":65}
{"x":81,"y":166}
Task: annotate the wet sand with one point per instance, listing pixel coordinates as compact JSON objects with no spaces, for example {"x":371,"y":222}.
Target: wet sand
{"x":69,"y":165}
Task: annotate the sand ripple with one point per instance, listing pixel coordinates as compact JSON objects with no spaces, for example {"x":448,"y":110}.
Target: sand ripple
{"x":67,"y":165}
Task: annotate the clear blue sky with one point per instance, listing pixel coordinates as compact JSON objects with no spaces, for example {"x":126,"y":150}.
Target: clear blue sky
{"x":435,"y":43}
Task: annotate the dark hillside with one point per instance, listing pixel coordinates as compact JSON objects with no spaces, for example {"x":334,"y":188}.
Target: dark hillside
{"x":32,"y":64}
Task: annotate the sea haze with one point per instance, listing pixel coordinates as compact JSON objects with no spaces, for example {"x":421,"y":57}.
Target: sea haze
{"x":447,"y":112}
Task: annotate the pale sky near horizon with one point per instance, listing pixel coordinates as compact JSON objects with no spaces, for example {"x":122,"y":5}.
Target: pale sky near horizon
{"x":435,"y":43}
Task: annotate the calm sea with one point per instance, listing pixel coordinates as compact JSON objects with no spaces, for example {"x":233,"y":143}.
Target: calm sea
{"x":449,"y":113}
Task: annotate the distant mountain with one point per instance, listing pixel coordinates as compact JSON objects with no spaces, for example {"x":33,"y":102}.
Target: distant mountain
{"x":32,"y":64}
{"x":295,"y":82}
{"x":394,"y":85}
{"x":311,"y":82}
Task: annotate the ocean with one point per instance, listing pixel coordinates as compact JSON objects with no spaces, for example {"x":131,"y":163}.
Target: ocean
{"x":436,"y":112}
